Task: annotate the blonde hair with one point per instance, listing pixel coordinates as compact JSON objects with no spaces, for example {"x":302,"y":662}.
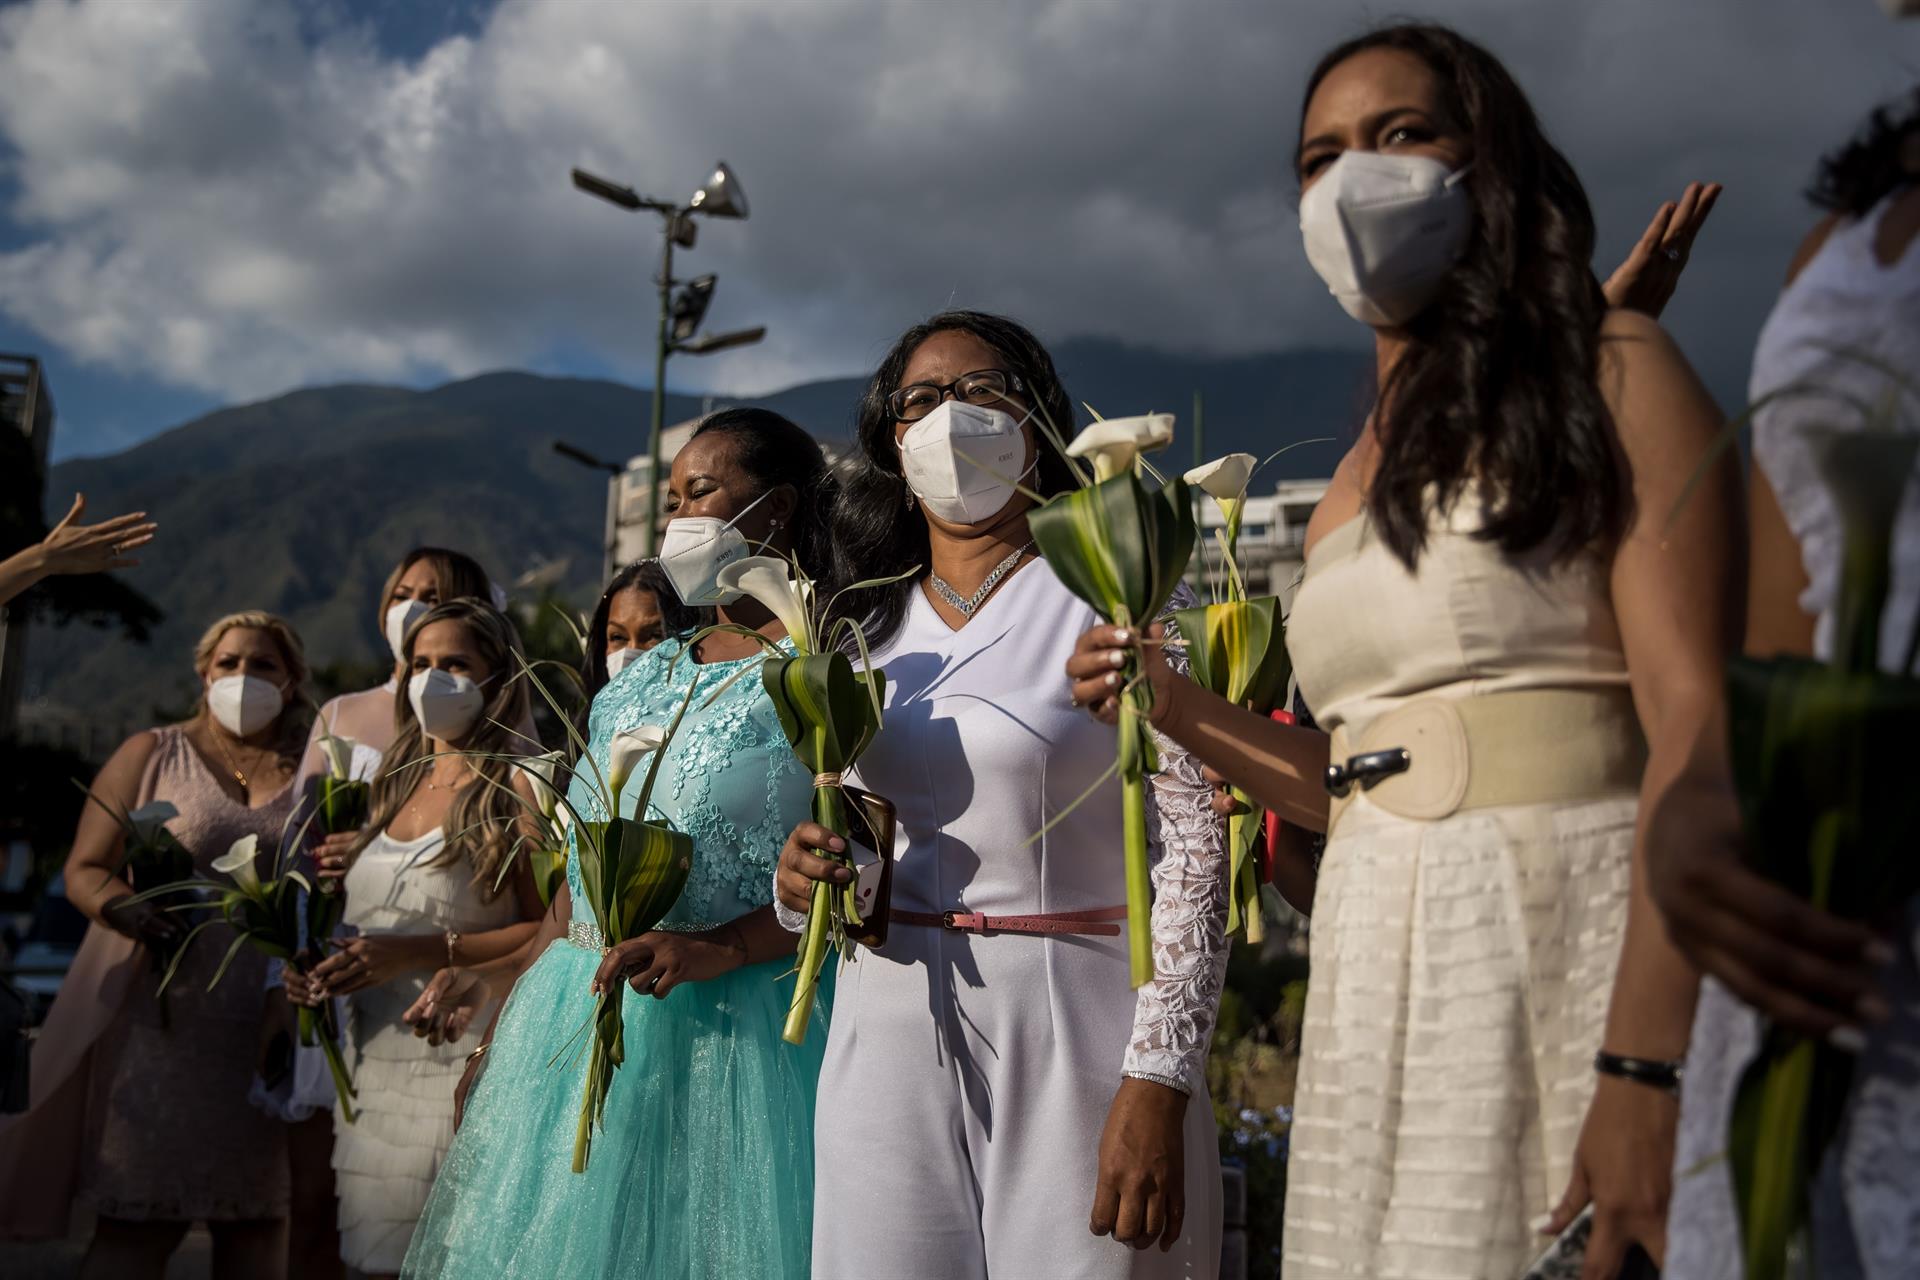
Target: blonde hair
{"x":292,"y":738}
{"x":481,"y":825}
{"x":455,"y":573}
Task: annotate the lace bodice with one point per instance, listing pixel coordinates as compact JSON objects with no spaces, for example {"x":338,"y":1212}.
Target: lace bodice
{"x":729,"y":779}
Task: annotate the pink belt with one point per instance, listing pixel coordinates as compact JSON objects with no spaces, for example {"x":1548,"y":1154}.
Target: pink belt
{"x":1084,"y":922}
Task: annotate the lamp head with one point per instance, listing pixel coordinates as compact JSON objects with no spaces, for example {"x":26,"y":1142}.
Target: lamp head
{"x":722,"y":196}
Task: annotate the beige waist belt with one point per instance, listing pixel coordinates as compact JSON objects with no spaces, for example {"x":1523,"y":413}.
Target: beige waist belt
{"x":1437,"y":756}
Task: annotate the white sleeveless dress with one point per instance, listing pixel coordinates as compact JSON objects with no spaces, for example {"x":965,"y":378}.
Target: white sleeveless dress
{"x":385,"y":1162}
{"x":1461,"y":968}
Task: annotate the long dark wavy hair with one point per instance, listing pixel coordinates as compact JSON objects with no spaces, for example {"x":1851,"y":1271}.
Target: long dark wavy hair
{"x":772,"y":451}
{"x":1499,"y":383}
{"x":875,"y":532}
{"x":1872,"y":164}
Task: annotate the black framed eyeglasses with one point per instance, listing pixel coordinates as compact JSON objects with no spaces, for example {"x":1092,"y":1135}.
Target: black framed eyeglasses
{"x":983,"y":386}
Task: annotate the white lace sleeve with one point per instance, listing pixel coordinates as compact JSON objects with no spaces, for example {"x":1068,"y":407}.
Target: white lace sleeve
{"x":1174,"y":1014}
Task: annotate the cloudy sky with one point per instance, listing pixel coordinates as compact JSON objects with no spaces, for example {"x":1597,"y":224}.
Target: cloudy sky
{"x":210,"y":200}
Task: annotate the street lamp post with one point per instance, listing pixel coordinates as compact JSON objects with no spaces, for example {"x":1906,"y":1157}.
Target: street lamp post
{"x":680,"y":315}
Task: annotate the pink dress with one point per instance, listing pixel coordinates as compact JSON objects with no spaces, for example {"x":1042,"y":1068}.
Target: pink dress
{"x":153,"y":1123}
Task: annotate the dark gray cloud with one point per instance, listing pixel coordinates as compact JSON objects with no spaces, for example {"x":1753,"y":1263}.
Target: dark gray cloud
{"x":214,"y":195}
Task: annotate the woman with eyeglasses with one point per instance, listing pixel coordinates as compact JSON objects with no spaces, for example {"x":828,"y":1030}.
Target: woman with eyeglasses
{"x":991,"y":1076}
{"x":1514,"y":630}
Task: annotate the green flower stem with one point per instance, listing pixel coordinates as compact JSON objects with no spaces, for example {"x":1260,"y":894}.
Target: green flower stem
{"x":1867,"y":572}
{"x":1133,"y":800}
{"x":1776,"y":1194}
{"x":317,"y":1028}
{"x":830,"y":811}
{"x":1244,"y":904}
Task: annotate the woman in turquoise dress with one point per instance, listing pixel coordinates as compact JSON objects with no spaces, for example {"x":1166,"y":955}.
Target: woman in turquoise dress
{"x":705,"y":1164}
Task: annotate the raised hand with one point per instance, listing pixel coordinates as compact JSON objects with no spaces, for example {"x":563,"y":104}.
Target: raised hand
{"x":94,"y":548}
{"x":1646,"y":280}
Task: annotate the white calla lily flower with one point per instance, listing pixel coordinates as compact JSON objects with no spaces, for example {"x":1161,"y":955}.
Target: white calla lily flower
{"x":238,"y":862}
{"x":339,"y":754}
{"x":629,"y":748}
{"x":767,"y":580}
{"x":147,"y":820}
{"x":1115,"y":444}
{"x":1224,"y":479}
{"x":541,"y":770}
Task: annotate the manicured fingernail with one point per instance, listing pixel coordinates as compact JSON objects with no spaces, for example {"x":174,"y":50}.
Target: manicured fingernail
{"x":1123,"y":635}
{"x":1881,"y":954}
{"x":1113,"y":679}
{"x":1848,"y":1040}
{"x":1540,"y":1224}
{"x":1116,"y":657}
{"x":1873,"y":1009}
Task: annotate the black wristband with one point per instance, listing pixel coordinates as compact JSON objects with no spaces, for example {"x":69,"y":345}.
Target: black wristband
{"x":1651,"y":1072}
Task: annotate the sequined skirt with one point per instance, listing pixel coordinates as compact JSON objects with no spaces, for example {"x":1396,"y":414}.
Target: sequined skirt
{"x":704,"y":1167}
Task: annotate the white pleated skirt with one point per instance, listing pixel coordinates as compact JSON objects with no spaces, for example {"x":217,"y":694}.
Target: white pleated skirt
{"x":384,"y":1163}
{"x":1461,"y":972}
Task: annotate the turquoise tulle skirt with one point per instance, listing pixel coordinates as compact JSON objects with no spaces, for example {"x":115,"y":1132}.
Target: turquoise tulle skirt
{"x":705,"y":1165}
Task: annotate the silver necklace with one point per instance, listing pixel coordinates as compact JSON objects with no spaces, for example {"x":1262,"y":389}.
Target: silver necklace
{"x":965,"y":605}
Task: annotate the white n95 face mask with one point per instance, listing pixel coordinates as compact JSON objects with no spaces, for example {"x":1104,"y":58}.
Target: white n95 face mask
{"x":401,"y":616}
{"x":1383,"y":231}
{"x":695,"y":549}
{"x":445,"y":704}
{"x":620,"y":659}
{"x":964,"y":461}
{"x":244,"y":705}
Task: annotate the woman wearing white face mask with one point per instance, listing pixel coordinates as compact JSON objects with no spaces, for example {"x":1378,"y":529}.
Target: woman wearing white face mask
{"x":991,"y":1076}
{"x":143,"y":1102}
{"x":704,"y":1164}
{"x":424,"y":577}
{"x":1514,"y":632}
{"x":637,"y":611}
{"x":430,"y":882}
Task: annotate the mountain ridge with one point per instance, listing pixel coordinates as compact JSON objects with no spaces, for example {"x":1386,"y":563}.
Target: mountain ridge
{"x":300,"y":503}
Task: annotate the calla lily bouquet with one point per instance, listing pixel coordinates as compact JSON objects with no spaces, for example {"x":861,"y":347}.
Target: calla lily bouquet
{"x":1822,"y":756}
{"x":151,"y":859}
{"x":632,"y":871}
{"x":1236,"y":646}
{"x":266,"y":914}
{"x":1122,"y":548}
{"x":830,"y":713}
